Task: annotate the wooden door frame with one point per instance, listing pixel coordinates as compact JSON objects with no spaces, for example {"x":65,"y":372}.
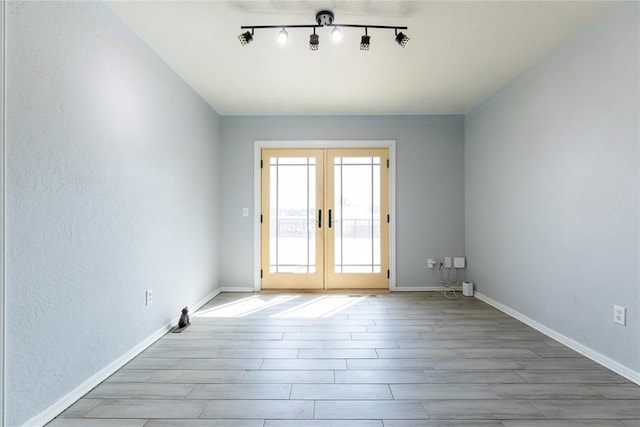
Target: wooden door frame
{"x":258,"y":145}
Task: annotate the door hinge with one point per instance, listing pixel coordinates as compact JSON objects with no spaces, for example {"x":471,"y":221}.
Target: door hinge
{"x":261,"y":164}
{"x":260,"y":218}
{"x":261,"y":274}
{"x":388,"y":219}
{"x":388,"y":274}
{"x":387,"y":163}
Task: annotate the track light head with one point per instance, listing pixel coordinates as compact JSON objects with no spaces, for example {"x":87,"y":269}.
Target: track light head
{"x":402,"y":39}
{"x":336,"y":34}
{"x":283,"y":36}
{"x":245,"y":38}
{"x":364,"y":43}
{"x":314,"y":40}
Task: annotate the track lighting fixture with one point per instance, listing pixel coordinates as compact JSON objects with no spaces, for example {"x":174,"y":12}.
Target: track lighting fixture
{"x":364,"y":42}
{"x":401,"y":39}
{"x":324,"y":18}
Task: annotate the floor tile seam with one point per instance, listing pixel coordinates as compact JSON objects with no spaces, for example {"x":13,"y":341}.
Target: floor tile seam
{"x":391,"y":391}
{"x":147,"y":383}
{"x":155,"y":356}
{"x":618,"y":379}
{"x":541,"y":417}
{"x":592,"y":385}
{"x":204,"y":408}
{"x":579,"y":385}
{"x":616,"y":417}
{"x":149,"y":398}
{"x":87,"y":418}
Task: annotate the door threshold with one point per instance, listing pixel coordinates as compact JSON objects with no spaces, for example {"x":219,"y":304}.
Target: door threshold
{"x":325,"y":291}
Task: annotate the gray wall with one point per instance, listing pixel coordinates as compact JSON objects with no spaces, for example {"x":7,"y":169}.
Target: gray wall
{"x":551,"y":181}
{"x":430,"y":185}
{"x":112,"y":189}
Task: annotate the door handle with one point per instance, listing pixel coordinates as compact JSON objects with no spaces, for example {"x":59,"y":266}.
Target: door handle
{"x":330,"y":218}
{"x":319,"y":218}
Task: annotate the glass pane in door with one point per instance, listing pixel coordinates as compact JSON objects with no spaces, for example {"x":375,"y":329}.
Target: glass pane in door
{"x":292,"y":215}
{"x":356,"y":215}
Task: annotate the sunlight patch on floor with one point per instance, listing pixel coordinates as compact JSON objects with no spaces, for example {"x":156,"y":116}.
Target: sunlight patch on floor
{"x":245,"y":306}
{"x":321,"y":307}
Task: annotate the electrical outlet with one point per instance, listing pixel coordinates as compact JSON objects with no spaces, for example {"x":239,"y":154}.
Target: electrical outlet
{"x":447,"y":262}
{"x":245,"y":212}
{"x":459,"y":262}
{"x":620,"y":315}
{"x":149,"y":297}
{"x":431,"y":262}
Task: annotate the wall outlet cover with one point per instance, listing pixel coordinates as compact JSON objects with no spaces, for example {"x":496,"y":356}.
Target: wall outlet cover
{"x":459,"y":262}
{"x":620,"y":315}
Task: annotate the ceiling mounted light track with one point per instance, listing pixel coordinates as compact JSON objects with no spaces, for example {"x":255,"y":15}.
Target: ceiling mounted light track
{"x":324,"y":18}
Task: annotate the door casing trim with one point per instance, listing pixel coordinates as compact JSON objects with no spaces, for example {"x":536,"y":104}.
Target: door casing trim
{"x":258,"y":145}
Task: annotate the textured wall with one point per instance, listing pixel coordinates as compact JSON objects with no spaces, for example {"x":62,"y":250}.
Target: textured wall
{"x":429,"y":187}
{"x":112,"y":189}
{"x":552,"y":181}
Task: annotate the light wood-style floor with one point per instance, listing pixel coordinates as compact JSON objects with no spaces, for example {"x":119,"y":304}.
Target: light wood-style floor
{"x":392,"y":360}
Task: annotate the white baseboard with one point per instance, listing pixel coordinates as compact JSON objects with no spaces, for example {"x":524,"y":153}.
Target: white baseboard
{"x":426,"y":288}
{"x":237,"y":289}
{"x":597,"y":357}
{"x":70,"y":398}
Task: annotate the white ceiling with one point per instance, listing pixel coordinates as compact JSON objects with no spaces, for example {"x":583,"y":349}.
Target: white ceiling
{"x":459,"y":52}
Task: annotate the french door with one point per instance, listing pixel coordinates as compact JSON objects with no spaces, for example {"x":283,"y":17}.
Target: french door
{"x":325,"y":222}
